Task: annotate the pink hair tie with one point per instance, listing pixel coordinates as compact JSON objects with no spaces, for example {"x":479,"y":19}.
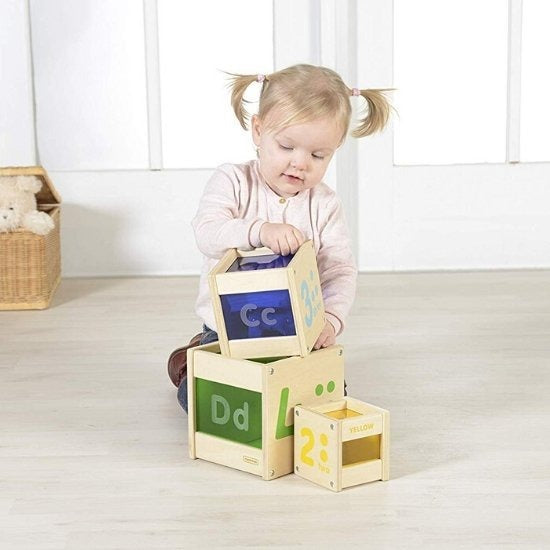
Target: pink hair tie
{"x":355,"y":91}
{"x":260,"y":77}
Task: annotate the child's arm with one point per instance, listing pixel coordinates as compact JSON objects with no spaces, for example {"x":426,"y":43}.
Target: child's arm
{"x":337,"y":269}
{"x":217,"y":224}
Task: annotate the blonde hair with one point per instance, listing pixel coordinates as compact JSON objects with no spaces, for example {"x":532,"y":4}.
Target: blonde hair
{"x":303,"y":93}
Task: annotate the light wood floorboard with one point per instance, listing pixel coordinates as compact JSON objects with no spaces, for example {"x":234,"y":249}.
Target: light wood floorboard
{"x":93,"y":444}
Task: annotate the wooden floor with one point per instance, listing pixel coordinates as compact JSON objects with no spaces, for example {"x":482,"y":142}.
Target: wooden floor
{"x":93,"y":444}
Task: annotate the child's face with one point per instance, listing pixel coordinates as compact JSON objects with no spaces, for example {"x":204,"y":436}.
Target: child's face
{"x":296,"y":157}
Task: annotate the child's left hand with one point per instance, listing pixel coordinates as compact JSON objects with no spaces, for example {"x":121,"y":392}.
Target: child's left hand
{"x":327,"y":337}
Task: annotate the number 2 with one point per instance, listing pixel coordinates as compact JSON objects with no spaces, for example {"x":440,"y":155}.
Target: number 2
{"x":306,"y":432}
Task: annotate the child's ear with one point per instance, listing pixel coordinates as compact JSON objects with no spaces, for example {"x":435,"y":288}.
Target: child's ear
{"x":256,"y":128}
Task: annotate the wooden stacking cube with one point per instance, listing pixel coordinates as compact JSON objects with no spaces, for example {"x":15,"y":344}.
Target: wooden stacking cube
{"x":267,"y":305}
{"x":241,"y":411}
{"x":341,"y":444}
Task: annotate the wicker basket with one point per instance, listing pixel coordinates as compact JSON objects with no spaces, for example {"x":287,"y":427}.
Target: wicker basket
{"x":30,"y":265}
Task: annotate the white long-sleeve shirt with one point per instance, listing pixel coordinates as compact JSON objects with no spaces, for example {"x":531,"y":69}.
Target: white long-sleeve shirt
{"x":235,"y":204}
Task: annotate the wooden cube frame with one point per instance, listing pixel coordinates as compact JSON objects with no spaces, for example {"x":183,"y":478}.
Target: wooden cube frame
{"x":341,"y":444}
{"x":300,"y":278}
{"x":281,"y":383}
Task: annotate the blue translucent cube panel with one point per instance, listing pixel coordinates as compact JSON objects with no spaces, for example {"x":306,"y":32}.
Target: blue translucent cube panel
{"x":255,"y":263}
{"x":264,"y":314}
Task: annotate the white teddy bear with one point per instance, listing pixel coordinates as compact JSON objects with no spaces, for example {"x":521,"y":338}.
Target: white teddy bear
{"x":18,"y":208}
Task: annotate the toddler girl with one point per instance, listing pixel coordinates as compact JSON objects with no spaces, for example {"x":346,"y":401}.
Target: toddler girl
{"x":279,"y":199}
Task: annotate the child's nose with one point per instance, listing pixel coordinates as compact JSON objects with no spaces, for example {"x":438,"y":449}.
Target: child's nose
{"x":299,"y":161}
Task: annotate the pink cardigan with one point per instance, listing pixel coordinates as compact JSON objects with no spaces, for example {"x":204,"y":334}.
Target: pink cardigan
{"x":237,"y":201}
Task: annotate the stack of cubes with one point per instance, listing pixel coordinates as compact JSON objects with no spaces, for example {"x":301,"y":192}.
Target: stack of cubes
{"x":244,"y":389}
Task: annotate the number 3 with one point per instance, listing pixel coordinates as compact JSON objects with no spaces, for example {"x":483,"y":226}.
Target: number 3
{"x":307,"y":301}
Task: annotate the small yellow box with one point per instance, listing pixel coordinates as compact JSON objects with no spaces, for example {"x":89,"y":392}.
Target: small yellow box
{"x":241,"y":412}
{"x":267,"y":305}
{"x":342,"y":443}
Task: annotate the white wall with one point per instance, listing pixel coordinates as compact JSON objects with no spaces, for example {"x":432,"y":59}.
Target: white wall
{"x":90,"y":86}
{"x":477,"y":216}
{"x":16,"y":97}
{"x":129,"y":223}
{"x":493,"y":218}
{"x":137,"y":222}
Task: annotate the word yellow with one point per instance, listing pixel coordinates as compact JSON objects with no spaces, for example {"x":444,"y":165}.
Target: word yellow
{"x":362,"y":428}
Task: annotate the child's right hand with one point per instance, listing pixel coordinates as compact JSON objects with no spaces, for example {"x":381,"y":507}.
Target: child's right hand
{"x":282,"y":238}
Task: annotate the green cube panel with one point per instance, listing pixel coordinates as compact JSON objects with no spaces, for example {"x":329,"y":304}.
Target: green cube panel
{"x":229,"y":412}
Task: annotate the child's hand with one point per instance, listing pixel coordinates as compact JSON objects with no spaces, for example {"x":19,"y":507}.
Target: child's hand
{"x":282,"y":238}
{"x":327,"y":337}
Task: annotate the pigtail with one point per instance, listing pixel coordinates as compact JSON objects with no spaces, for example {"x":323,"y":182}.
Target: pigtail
{"x":238,"y":84}
{"x":377,"y":112}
